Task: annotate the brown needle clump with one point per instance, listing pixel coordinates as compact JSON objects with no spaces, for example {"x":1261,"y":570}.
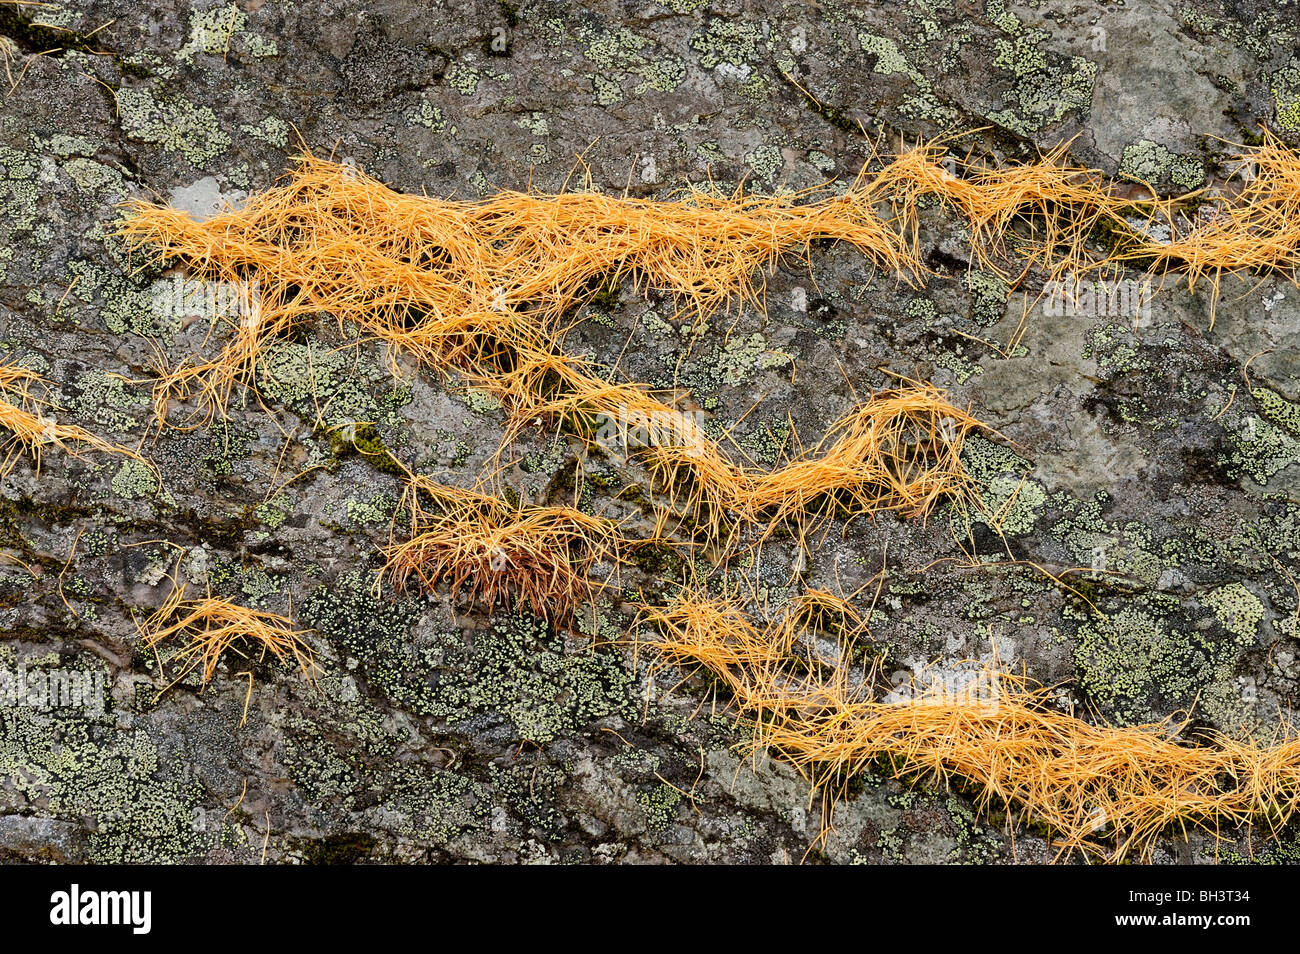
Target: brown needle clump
{"x":481,"y":286}
{"x":899,"y":450}
{"x":498,"y":552}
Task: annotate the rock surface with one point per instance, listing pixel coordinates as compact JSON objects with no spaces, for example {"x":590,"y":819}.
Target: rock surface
{"x":1161,"y":451}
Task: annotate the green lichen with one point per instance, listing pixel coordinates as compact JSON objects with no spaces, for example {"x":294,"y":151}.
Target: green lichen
{"x":1147,"y":161}
{"x":426,"y":114}
{"x":1114,"y":348}
{"x":211,"y":31}
{"x":517,"y":667}
{"x":135,"y":480}
{"x":328,"y":385}
{"x":1260,"y":450}
{"x":821,"y":162}
{"x":660,"y":805}
{"x":536,"y":123}
{"x":1277,"y":409}
{"x":124,"y":306}
{"x":94,"y":177}
{"x":226,"y":446}
{"x":989,"y":295}
{"x":726,"y":41}
{"x":141,"y":806}
{"x":889,"y":58}
{"x":107,"y":399}
{"x":378,"y":509}
{"x":65,"y":146}
{"x":1010,"y":501}
{"x":274,"y":511}
{"x":174,"y":123}
{"x":766,"y":161}
{"x":1238,"y":610}
{"x":221,"y":31}
{"x":463,"y":78}
{"x":1046,"y":86}
{"x":957,"y":361}
{"x":1140,"y":663}
{"x":271,"y":130}
{"x":739,"y":358}
{"x":608,"y":92}
{"x":436,"y":807}
{"x":257,"y":586}
{"x":625,"y":56}
{"x":1285,"y":86}
{"x":23,"y":180}
{"x":766,"y":444}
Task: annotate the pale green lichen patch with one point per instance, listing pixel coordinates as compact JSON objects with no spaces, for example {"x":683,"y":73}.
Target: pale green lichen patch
{"x":141,"y":809}
{"x":517,"y":667}
{"x":1260,"y":450}
{"x":742,"y":355}
{"x":1009,"y":501}
{"x":273,"y":512}
{"x":956,"y":360}
{"x":211,"y":31}
{"x":1150,"y":162}
{"x":624,"y":57}
{"x":660,"y":805}
{"x":1129,"y":549}
{"x":767,"y":443}
{"x":329,"y":386}
{"x":1238,"y":610}
{"x":94,"y":178}
{"x":174,"y":123}
{"x":1277,"y":409}
{"x":889,"y":58}
{"x":726,"y":41}
{"x":221,"y":31}
{"x":135,"y":480}
{"x":1141,"y":662}
{"x":955,"y":836}
{"x":377,"y":510}
{"x":1046,"y":87}
{"x":766,"y":161}
{"x":480,"y":402}
{"x":107,"y":399}
{"x":124,"y":305}
{"x":271,"y":130}
{"x":1286,"y":96}
{"x":23,"y":180}
{"x":1115,"y":349}
{"x":463,"y":78}
{"x":426,"y":114}
{"x":989,"y":295}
